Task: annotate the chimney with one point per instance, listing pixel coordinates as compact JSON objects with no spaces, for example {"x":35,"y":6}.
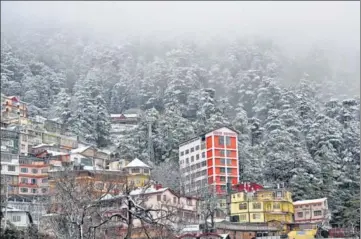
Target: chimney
{"x":158,"y":186}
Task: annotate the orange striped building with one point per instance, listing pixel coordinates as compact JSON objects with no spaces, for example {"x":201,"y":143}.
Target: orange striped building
{"x":210,"y":159}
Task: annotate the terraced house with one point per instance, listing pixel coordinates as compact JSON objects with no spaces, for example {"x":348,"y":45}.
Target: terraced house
{"x":265,"y":205}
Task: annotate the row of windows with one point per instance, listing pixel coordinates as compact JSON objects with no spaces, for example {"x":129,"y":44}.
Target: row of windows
{"x":192,"y":158}
{"x":34,"y":170}
{"x":226,"y":170}
{"x":137,"y":170}
{"x":33,"y":190}
{"x":316,"y":204}
{"x":226,"y":142}
{"x":191,"y":150}
{"x":223,"y":152}
{"x":257,"y":205}
{"x":195,"y":166}
{"x":315,"y":213}
{"x":33,"y":180}
{"x":175,"y":199}
{"x":223,"y":179}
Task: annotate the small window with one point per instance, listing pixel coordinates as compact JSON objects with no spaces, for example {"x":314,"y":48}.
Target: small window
{"x":222,"y":170}
{"x":159,"y":197}
{"x":182,"y":153}
{"x":278,"y":194}
{"x":192,"y":159}
{"x":300,"y":214}
{"x":197,"y":147}
{"x":192,"y":150}
{"x":135,"y":170}
{"x":164,"y":197}
{"x":24,"y":180}
{"x":187,"y":160}
{"x":276,"y":206}
{"x":228,"y":153}
{"x":222,"y":161}
{"x":174,"y":200}
{"x":221,"y":152}
{"x":33,"y":181}
{"x":256,"y":216}
{"x":229,"y":161}
{"x":228,"y":141}
{"x":220,"y":140}
{"x":242,"y":206}
{"x":33,"y":190}
{"x":257,"y":205}
{"x":24,"y":170}
{"x":222,"y":179}
{"x":197,"y":157}
{"x":146,"y":171}
{"x":11,"y":168}
{"x":229,"y":170}
{"x":203,"y":154}
{"x":317,"y":213}
{"x":204,"y":163}
{"x":34,"y":170}
{"x":223,"y":187}
{"x":243,"y":217}
{"x":187,"y":151}
{"x":23,"y":190}
{"x":16,"y":218}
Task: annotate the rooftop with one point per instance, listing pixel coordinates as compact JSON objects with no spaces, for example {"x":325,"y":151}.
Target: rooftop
{"x":207,"y":132}
{"x":319,"y":200}
{"x":137,"y":163}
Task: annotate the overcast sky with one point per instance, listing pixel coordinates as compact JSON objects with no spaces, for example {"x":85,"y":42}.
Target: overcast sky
{"x":332,"y":22}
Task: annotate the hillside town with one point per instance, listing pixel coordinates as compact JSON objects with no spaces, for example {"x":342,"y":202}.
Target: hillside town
{"x":54,"y":182}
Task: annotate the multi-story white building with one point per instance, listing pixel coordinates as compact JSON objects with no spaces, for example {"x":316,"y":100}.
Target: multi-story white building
{"x":10,"y":171}
{"x":210,"y":159}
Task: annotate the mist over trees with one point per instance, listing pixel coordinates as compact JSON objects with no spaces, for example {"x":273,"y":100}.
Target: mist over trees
{"x":297,"y":114}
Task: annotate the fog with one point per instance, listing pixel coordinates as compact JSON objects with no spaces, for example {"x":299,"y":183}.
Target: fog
{"x":295,"y":23}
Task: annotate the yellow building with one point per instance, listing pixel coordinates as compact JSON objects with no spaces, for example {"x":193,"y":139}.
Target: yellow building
{"x":138,"y":173}
{"x":266,"y":205}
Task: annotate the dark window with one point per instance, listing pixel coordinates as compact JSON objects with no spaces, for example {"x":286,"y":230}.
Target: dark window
{"x":164,"y":197}
{"x":11,"y":168}
{"x":300,"y":214}
{"x":228,"y":152}
{"x":197,"y":147}
{"x":187,"y":151}
{"x":33,"y":181}
{"x":135,"y":170}
{"x":317,"y":213}
{"x":204,"y":164}
{"x":222,"y":170}
{"x":182,"y":153}
{"x":23,"y":190}
{"x":222,"y":179}
{"x":221,"y":152}
{"x":229,"y":170}
{"x":222,"y":161}
{"x":228,"y":140}
{"x":220,"y":140}
{"x":203,"y":154}
{"x":158,"y":198}
{"x":34,"y":170}
{"x":197,"y":156}
{"x":242,"y":206}
{"x":192,"y":158}
{"x":24,"y":170}
{"x":192,"y":150}
{"x":187,"y":160}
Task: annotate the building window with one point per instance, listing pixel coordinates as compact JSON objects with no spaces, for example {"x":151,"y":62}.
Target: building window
{"x":221,"y":152}
{"x":159,"y":197}
{"x":317,"y":213}
{"x":182,"y":153}
{"x":11,"y":168}
{"x":44,"y":180}
{"x":197,"y":156}
{"x":222,"y":161}
{"x":192,"y":150}
{"x":44,"y":170}
{"x":228,"y":161}
{"x":135,"y":170}
{"x":192,"y":159}
{"x":23,"y":190}
{"x":242,"y":206}
{"x":257,"y":205}
{"x":222,"y":170}
{"x":16,"y":219}
{"x":33,"y":190}
{"x":187,"y":151}
{"x":243,"y":217}
{"x":222,"y":179}
{"x":34,"y":170}
{"x":187,"y":160}
{"x":228,"y":141}
{"x":24,"y":180}
{"x":276,"y":206}
{"x":228,"y":152}
{"x":229,"y":170}
{"x":174,"y":200}
{"x":220,"y":140}
{"x":189,"y":202}
{"x":24,"y":170}
{"x":204,"y":163}
{"x":278,"y":194}
{"x":203,"y":154}
{"x":33,"y":181}
{"x":197,"y":147}
{"x":256,"y":216}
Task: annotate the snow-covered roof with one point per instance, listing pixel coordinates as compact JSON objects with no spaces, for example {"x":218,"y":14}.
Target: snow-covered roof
{"x":319,"y":200}
{"x":43,"y":145}
{"x":54,"y":153}
{"x":125,"y":115}
{"x":80,"y":149}
{"x":140,"y":191}
{"x":137,"y":163}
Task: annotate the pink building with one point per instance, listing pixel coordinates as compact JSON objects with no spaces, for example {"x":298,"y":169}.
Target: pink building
{"x":312,"y":211}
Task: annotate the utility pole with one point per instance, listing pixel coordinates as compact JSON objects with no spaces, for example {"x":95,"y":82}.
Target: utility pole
{"x":6,"y":202}
{"x":150,"y":142}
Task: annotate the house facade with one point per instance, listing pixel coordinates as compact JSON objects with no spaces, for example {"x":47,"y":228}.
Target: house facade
{"x":261,"y":206}
{"x":14,"y":111}
{"x":211,"y":159}
{"x":138,"y":173}
{"x":312,"y":211}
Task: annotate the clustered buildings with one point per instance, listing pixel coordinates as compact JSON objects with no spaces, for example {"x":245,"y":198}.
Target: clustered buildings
{"x":34,"y":150}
